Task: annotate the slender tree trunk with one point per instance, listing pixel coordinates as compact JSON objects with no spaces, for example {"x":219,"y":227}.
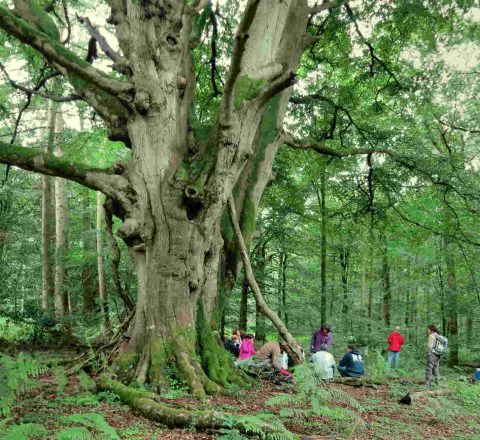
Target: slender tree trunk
{"x":243,"y":315}
{"x":48,"y":221}
{"x":452,"y":301}
{"x":61,"y":232}
{"x":102,"y":288}
{"x":344,"y":263}
{"x":323,"y":250}
{"x":371,"y":274}
{"x":363,"y":276}
{"x":387,"y":293}
{"x":332,"y":289}
{"x":284,"y":288}
{"x":443,"y":299}
{"x":88,"y":282}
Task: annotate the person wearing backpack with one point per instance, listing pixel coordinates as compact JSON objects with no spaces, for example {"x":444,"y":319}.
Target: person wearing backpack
{"x":437,"y":346}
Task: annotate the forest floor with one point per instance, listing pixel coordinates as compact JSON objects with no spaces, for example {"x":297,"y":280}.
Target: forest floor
{"x":379,"y":415}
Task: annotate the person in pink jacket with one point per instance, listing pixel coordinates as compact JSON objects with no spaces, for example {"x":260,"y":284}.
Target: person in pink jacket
{"x":247,"y":349}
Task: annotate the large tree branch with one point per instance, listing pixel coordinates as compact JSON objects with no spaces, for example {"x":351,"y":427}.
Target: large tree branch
{"x":53,"y":51}
{"x":294,"y":346}
{"x":119,"y":63}
{"x":104,"y":180}
{"x":325,"y":6}
{"x":237,"y":54}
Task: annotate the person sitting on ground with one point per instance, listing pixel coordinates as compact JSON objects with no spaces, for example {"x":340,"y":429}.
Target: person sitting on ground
{"x":271,"y":352}
{"x":233,"y":345}
{"x":247,"y":349}
{"x":351,"y":364}
{"x":322,"y":336}
{"x":323,"y":363}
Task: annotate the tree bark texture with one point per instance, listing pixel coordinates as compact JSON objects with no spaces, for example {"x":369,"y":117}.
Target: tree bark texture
{"x":61,"y":231}
{"x":48,"y":222}
{"x":88,"y":272}
{"x":102,"y":286}
{"x":387,"y":294}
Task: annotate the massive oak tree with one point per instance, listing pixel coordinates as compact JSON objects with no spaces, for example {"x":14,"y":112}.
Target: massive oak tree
{"x":171,"y":195}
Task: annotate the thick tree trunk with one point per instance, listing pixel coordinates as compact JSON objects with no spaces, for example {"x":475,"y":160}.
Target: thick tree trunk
{"x":61,"y":212}
{"x":48,"y":222}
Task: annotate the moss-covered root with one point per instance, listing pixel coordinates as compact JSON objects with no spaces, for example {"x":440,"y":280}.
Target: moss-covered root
{"x":190,"y":370}
{"x":144,"y":403}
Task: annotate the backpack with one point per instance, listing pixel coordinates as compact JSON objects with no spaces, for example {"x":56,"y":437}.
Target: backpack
{"x":441,"y":345}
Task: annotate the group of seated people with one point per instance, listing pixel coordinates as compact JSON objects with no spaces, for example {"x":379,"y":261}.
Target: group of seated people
{"x":351,"y":365}
{"x":274,"y":354}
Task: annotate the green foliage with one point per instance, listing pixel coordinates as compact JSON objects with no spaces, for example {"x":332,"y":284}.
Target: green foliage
{"x":17,"y":377}
{"x":25,"y":431}
{"x":75,"y":433}
{"x":314,"y":397}
{"x":94,"y":421}
{"x":86,"y":382}
{"x":61,"y":379}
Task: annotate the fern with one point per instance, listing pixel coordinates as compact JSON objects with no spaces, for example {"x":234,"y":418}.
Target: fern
{"x":61,"y":379}
{"x":25,"y":431}
{"x":282,"y":399}
{"x":85,"y":381}
{"x":16,"y":378}
{"x":74,"y":433}
{"x":94,"y":421}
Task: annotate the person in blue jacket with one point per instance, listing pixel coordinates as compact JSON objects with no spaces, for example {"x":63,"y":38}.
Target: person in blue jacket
{"x":351,"y":364}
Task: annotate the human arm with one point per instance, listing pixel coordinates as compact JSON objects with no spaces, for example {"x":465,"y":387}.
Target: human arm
{"x":344,"y":361}
{"x":328,"y":340}
{"x":276,"y":356}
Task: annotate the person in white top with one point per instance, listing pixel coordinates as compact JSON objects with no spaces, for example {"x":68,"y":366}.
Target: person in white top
{"x":323,"y":363}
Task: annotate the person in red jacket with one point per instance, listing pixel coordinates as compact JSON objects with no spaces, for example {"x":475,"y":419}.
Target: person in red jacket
{"x":395,"y":341}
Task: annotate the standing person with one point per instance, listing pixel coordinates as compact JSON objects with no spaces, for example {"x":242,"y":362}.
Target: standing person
{"x":247,"y":349}
{"x":323,"y":363}
{"x":351,"y":364}
{"x":322,"y":336}
{"x":395,"y":341}
{"x":435,"y":349}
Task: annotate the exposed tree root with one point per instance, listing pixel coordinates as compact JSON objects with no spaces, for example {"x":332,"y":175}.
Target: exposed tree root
{"x":148,"y":405}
